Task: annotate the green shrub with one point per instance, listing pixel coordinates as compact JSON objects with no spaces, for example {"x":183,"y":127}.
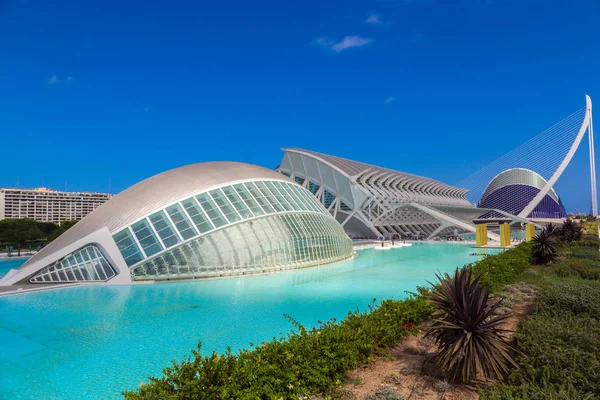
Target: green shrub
{"x":305,"y":362}
{"x":591,"y":238}
{"x":504,"y":268}
{"x":582,"y":250}
{"x":560,"y":345}
{"x":582,"y":268}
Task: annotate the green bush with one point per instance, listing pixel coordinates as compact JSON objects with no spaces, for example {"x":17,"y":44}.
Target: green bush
{"x":560,"y":343}
{"x":504,"y":268}
{"x":582,"y":250}
{"x":305,"y":362}
{"x":582,"y":268}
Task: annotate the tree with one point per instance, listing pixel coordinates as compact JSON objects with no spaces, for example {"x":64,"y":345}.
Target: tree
{"x":18,"y":232}
{"x":66,"y":225}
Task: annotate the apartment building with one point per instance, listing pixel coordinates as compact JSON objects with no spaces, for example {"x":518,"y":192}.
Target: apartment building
{"x":48,"y":205}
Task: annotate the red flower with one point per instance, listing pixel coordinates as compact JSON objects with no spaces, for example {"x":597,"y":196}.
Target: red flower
{"x":407,"y":325}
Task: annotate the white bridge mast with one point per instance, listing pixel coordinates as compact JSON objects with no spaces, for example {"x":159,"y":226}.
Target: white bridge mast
{"x":592,"y":159}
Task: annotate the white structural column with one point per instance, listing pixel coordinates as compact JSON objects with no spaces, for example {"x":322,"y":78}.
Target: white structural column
{"x":563,"y":165}
{"x":592,"y":162}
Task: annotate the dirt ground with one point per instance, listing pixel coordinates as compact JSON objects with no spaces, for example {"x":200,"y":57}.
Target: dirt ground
{"x":403,"y":370}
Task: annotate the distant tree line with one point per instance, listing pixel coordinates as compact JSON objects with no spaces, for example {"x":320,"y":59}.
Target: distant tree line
{"x":23,"y":233}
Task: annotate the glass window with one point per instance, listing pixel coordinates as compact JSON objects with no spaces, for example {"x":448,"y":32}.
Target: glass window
{"x":269,"y":197}
{"x":293,"y":193}
{"x":313,"y":187}
{"x":288,"y":196}
{"x":237,"y":202}
{"x":280,"y":198}
{"x":146,"y":237}
{"x":211,"y":210}
{"x":224,"y":205}
{"x":328,"y":198}
{"x":77,"y":269}
{"x":181,"y":221}
{"x":248,"y":199}
{"x":197,"y":215}
{"x":260,"y":198}
{"x":164,"y":229}
{"x":127,"y":246}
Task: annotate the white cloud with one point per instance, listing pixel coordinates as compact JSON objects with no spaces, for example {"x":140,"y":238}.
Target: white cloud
{"x":325,"y":42}
{"x":347,"y":42}
{"x":373,"y":19}
{"x":55,"y":79}
{"x":388,"y":100}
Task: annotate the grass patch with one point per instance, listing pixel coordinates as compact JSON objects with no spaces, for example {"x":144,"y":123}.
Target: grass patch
{"x":560,"y":345}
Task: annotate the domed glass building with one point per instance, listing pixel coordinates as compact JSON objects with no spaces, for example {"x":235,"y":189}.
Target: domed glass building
{"x":202,"y":220}
{"x":513,"y":189}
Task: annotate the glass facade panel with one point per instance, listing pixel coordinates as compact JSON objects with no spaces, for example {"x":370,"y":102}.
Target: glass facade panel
{"x":217,"y":208}
{"x":224,"y":205}
{"x":146,"y":237}
{"x":248,"y":199}
{"x":237,"y":202}
{"x":182,"y":222}
{"x":197,"y":215}
{"x":269,"y":197}
{"x":164,"y":229}
{"x":270,"y":243}
{"x":313,"y":187}
{"x":128,"y":247}
{"x":279,"y":197}
{"x":208,"y":205}
{"x":86,"y":264}
{"x":328,"y":198}
{"x":259,"y":197}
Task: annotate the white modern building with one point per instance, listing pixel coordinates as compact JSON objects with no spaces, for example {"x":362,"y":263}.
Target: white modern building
{"x":201,"y":220}
{"x":371,"y":201}
{"x":47,"y":205}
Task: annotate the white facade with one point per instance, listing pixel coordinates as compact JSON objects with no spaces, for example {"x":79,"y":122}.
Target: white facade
{"x":48,"y":205}
{"x":200,"y":220}
{"x":371,"y":201}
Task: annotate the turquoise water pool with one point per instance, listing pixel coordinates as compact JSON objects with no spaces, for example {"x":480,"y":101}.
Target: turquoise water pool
{"x":93,"y":342}
{"x":8,"y":264}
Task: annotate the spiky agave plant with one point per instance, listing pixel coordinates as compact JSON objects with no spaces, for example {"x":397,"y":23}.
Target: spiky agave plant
{"x":467,"y":329}
{"x":570,"y":231}
{"x":544,"y":248}
{"x":552,"y":230}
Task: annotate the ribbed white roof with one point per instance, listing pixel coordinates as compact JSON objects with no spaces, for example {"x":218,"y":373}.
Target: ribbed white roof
{"x":351,"y":168}
{"x":154,"y":193}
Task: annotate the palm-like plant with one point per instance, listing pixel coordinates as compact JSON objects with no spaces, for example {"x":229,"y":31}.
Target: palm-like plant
{"x":570,"y":231}
{"x":544,"y":247}
{"x":467,"y":329}
{"x":552,"y":230}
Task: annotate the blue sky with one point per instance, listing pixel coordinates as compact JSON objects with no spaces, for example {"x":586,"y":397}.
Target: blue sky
{"x":99,"y":95}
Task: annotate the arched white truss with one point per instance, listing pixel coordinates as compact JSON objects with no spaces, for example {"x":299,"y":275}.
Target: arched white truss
{"x":548,"y":154}
{"x":585,"y":126}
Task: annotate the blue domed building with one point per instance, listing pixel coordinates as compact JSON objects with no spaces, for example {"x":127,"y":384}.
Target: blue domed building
{"x":512,"y":190}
